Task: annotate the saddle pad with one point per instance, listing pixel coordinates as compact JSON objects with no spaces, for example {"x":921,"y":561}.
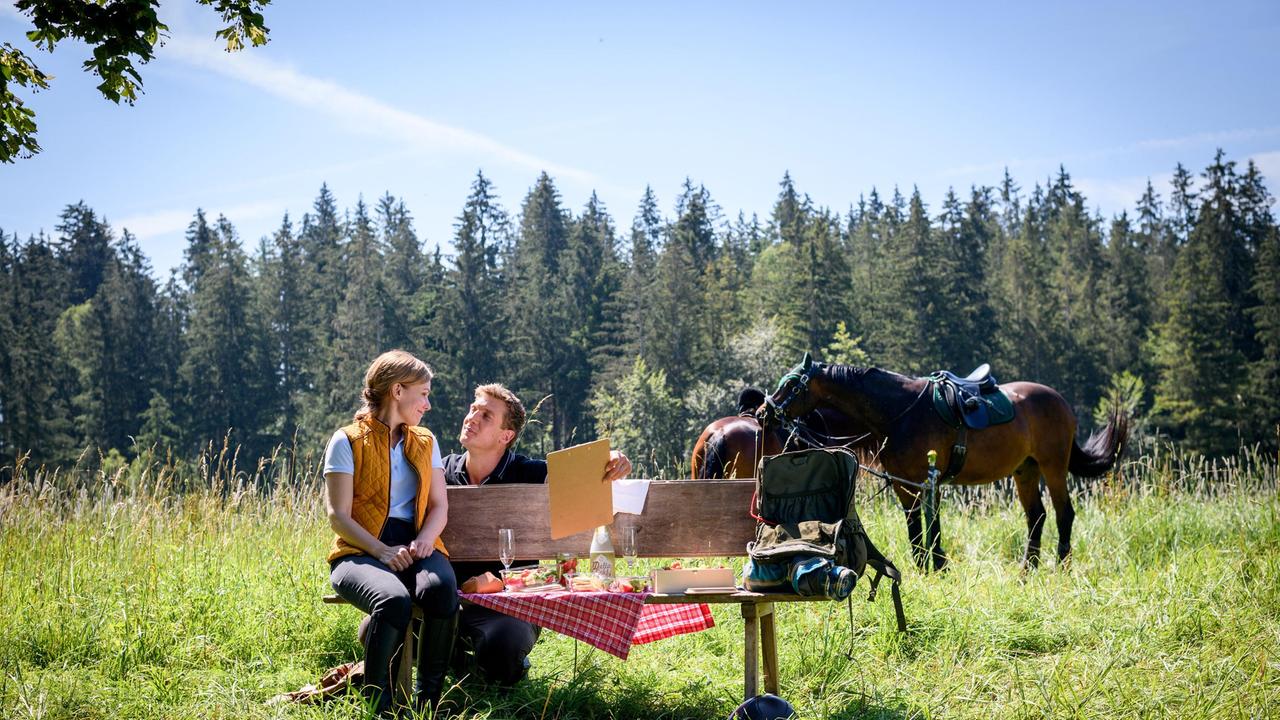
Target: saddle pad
{"x":997,"y":406}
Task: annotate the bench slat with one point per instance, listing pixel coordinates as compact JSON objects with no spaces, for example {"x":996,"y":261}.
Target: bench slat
{"x":682,"y":518}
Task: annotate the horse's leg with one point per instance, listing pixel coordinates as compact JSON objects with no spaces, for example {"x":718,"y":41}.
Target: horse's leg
{"x":910,"y":500}
{"x":1055,"y":478}
{"x":936,"y":552}
{"x":1027,"y":480}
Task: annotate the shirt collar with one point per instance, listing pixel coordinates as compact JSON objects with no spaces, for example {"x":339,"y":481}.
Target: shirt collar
{"x":498,"y":470}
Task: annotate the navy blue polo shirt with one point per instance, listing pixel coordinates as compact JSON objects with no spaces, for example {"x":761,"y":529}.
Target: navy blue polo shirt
{"x":513,"y":468}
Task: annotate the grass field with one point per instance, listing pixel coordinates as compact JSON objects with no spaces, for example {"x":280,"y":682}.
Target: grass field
{"x":150,"y":593}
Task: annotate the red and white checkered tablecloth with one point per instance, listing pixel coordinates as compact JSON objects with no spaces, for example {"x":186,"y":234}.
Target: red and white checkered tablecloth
{"x":612,"y":622}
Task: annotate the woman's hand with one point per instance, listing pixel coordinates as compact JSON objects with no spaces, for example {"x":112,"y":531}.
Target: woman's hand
{"x":619,"y":467}
{"x":422,"y":547}
{"x":396,"y":557}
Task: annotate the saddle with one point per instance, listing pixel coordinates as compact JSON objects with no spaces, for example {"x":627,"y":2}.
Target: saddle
{"x":974,"y":401}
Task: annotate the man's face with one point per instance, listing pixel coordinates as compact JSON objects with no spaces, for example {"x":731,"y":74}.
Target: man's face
{"x":482,"y":428}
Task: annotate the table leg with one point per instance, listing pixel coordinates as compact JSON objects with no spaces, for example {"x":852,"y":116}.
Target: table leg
{"x":768,"y":647}
{"x":751,"y":639}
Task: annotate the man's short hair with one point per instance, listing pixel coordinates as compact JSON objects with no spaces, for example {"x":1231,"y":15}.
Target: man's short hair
{"x":515,"y":416}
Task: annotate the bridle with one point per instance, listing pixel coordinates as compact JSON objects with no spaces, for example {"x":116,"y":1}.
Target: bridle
{"x":777,"y":410}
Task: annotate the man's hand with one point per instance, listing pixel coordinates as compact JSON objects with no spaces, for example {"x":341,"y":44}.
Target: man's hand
{"x":421,"y":548}
{"x":396,"y":557}
{"x":619,"y":467}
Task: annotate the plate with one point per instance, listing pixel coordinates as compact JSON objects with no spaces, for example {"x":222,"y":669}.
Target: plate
{"x":553,"y":587}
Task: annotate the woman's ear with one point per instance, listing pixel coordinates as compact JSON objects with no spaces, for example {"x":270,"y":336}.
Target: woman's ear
{"x":396,"y":390}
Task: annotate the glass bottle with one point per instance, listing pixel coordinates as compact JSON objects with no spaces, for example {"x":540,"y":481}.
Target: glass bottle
{"x":602,"y":557}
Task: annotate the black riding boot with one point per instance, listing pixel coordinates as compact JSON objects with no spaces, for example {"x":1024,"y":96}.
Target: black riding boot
{"x":380,"y":650}
{"x":435,"y":649}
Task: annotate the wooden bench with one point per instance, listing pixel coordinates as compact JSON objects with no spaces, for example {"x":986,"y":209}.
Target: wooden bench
{"x":705,"y":518}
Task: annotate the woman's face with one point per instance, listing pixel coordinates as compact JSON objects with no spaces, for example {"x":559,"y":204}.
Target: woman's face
{"x":412,"y":401}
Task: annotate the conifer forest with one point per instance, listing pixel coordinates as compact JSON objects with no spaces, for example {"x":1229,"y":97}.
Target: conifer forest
{"x":642,"y":324}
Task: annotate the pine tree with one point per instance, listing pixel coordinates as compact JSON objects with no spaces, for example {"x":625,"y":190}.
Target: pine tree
{"x":1201,"y":348}
{"x":1157,"y":244}
{"x":598,"y":292}
{"x":1264,"y":373}
{"x":358,"y":333}
{"x":471,"y":323}
{"x":8,"y":340}
{"x":404,"y":271}
{"x":39,"y":416}
{"x":1073,"y":243}
{"x":284,"y":296}
{"x":637,"y":287}
{"x":84,"y":247}
{"x":225,"y":372}
{"x":1125,"y":296}
{"x":694,"y":226}
{"x":536,"y":312}
{"x":325,"y":280}
{"x":1027,"y":311}
{"x":124,"y":310}
{"x":1182,"y":205}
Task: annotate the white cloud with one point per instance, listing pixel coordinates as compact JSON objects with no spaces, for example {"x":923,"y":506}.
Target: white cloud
{"x":368,"y":114}
{"x":1112,"y":195}
{"x":1268,"y":164}
{"x":1217,"y":138}
{"x":165,"y":222}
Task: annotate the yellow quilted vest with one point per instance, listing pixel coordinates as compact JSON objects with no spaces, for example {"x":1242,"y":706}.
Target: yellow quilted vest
{"x":371,"y":483}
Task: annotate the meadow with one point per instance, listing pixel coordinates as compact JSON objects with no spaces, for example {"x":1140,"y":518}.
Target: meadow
{"x":159,"y":590}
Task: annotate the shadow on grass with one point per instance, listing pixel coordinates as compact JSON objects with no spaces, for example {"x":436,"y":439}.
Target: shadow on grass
{"x":593,"y":691}
{"x":866,"y":708}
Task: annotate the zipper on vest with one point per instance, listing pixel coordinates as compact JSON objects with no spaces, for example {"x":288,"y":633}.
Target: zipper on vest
{"x":387,"y":516}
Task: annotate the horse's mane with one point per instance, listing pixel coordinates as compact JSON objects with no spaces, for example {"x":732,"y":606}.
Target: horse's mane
{"x":844,"y":374}
{"x":855,"y":377}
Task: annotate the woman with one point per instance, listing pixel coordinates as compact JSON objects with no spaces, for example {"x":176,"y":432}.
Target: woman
{"x":385,"y":495}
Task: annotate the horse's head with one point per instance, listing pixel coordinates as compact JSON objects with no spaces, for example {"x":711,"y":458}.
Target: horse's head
{"x":792,"y":397}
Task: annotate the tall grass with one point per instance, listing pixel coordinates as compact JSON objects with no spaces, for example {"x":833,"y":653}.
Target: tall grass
{"x":163,"y":589}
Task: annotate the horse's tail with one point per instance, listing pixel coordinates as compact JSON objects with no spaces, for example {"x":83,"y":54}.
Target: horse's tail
{"x":1101,"y":450}
{"x":705,"y":463}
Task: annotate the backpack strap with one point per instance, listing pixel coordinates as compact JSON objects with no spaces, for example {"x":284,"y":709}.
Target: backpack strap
{"x":885,"y":568}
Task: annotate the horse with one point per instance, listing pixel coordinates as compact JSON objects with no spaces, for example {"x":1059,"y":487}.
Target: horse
{"x":731,"y":447}
{"x":1039,"y":443}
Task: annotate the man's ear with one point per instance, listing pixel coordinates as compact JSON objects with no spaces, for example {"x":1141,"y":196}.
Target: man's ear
{"x":507,"y":436}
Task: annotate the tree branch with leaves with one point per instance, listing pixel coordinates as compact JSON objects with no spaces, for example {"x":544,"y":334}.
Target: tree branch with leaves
{"x":122,"y":35}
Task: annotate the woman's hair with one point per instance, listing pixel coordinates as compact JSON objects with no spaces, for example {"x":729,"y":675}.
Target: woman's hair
{"x":389,"y":368}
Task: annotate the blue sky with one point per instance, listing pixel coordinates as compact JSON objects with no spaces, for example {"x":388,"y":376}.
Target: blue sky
{"x":414,"y":98}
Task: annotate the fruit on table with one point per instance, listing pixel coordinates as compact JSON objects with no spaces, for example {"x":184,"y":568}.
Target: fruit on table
{"x":629,"y":585}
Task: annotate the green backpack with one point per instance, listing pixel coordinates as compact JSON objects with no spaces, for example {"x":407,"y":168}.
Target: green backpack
{"x":808,"y":532}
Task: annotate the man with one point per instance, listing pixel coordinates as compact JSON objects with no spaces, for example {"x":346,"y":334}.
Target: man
{"x":493,"y":422}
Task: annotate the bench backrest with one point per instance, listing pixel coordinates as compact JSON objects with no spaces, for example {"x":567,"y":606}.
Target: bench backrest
{"x":682,"y":518}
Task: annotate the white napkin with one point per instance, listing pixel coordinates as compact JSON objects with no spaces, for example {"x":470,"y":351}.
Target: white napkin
{"x":629,"y":496}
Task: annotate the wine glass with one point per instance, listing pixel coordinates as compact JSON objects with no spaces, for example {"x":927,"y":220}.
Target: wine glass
{"x":506,"y":547}
{"x":628,"y":542}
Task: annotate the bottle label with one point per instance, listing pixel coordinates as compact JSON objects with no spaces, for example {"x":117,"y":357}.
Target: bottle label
{"x":602,"y":565}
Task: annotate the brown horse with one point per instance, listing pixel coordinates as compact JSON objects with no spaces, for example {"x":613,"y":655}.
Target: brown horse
{"x":1039,"y":443}
{"x":731,"y":447}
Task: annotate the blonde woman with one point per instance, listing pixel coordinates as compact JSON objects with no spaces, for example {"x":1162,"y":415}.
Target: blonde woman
{"x":386,"y":500}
